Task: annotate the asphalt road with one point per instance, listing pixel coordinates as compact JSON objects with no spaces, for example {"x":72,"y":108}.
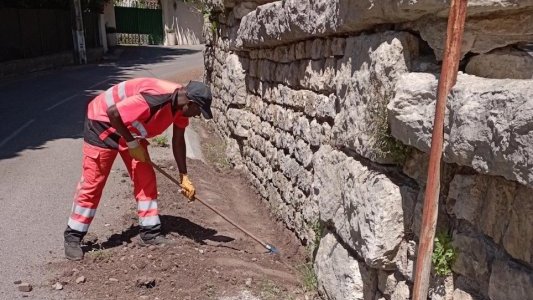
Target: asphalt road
{"x":40,"y":154}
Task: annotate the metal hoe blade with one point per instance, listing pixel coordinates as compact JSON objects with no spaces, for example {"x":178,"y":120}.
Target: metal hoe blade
{"x":271,"y":249}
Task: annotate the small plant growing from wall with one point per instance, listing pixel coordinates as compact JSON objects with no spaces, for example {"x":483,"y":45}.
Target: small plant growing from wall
{"x":308,"y":277}
{"x":198,"y":5}
{"x":385,"y":144}
{"x":444,"y":254}
{"x":318,"y":229}
{"x":306,"y":270}
{"x":214,"y":24}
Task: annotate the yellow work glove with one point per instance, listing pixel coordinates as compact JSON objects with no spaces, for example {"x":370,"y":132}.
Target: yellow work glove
{"x":137,"y":151}
{"x":188,"y":189}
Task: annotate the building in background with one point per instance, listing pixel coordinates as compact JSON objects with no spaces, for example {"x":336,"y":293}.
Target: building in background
{"x":154,"y":22}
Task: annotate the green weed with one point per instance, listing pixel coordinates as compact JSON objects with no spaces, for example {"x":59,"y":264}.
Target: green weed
{"x":383,"y":142}
{"x":210,"y":290}
{"x":444,"y":254}
{"x":318,"y":229}
{"x":100,"y":254}
{"x":215,"y":153}
{"x":160,"y":141}
{"x":268,"y":290}
{"x":308,"y":277}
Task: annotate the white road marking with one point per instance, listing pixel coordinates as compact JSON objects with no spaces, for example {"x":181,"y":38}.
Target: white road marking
{"x":71,"y":97}
{"x":12,"y":135}
{"x":98,"y":83}
{"x":60,"y":102}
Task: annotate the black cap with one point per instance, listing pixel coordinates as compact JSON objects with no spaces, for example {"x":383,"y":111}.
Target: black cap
{"x":199,"y":93}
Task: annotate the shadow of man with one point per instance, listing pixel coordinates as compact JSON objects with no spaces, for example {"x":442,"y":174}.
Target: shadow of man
{"x":191,"y":230}
{"x":170,"y":224}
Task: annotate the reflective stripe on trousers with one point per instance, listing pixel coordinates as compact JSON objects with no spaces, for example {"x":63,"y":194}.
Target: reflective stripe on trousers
{"x":148,"y":213}
{"x":96,"y":166}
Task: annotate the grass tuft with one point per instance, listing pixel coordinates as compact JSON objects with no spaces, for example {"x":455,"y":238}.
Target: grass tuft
{"x":308,"y":277}
{"x":100,"y":255}
{"x":160,"y":141}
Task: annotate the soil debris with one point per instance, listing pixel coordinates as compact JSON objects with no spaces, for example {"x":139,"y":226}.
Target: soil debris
{"x":80,"y":279}
{"x":145,"y":282}
{"x":57,"y":286}
{"x":25,"y":287}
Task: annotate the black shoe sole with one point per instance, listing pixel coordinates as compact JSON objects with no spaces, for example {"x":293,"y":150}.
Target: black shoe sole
{"x":74,"y":258}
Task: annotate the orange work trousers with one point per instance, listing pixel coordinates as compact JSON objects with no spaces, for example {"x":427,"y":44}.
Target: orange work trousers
{"x":97,"y":163}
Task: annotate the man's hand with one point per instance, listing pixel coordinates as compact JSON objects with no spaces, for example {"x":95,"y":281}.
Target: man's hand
{"x":137,"y":151}
{"x":188,"y":189}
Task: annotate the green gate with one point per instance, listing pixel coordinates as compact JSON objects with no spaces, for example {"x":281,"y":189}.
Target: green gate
{"x":139,"y":24}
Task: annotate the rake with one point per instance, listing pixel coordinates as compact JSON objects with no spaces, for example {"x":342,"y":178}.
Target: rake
{"x":271,"y":249}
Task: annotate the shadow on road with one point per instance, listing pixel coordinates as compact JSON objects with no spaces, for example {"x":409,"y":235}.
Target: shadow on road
{"x":44,"y":106}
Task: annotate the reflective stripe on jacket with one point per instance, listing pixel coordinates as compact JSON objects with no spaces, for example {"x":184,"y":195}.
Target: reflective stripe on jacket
{"x":145,"y":106}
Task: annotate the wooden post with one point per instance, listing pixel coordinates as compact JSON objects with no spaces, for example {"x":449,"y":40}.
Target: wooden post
{"x":448,"y":76}
{"x":80,"y":51}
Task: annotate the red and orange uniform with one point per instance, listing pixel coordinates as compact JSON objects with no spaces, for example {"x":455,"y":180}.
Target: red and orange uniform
{"x":147,"y":108}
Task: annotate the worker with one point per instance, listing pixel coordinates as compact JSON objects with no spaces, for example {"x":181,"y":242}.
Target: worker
{"x":118,"y":121}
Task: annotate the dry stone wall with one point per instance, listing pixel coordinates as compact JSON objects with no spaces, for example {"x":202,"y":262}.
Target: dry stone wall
{"x":327,"y":107}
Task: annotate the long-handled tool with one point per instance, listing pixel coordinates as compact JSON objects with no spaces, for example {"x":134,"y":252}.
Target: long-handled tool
{"x":269,"y":247}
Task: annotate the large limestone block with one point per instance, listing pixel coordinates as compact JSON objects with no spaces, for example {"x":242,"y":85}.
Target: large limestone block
{"x":488,"y":125}
{"x":317,"y":75}
{"x":364,"y":206}
{"x":484,"y":201}
{"x":290,"y":20}
{"x":366,"y":79}
{"x":440,"y":288}
{"x":459,"y":294}
{"x":509,"y":281}
{"x":340,"y":276}
{"x":499,"y":208}
{"x":405,"y":259}
{"x":518,"y":236}
{"x":501,"y":64}
{"x":472,"y":259}
{"x":392,"y":286}
{"x":481,"y":35}
{"x":243,"y":8}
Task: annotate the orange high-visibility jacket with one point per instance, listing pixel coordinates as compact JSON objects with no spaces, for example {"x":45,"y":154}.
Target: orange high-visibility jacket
{"x":145,"y":106}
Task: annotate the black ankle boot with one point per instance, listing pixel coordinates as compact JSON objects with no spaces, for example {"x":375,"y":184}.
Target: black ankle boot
{"x":73,"y":239}
{"x":149,"y":232}
{"x":151,"y":235}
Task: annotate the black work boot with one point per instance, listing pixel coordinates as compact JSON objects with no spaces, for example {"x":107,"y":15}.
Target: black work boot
{"x":151,"y":235}
{"x":73,"y":239}
{"x":156,"y":241}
